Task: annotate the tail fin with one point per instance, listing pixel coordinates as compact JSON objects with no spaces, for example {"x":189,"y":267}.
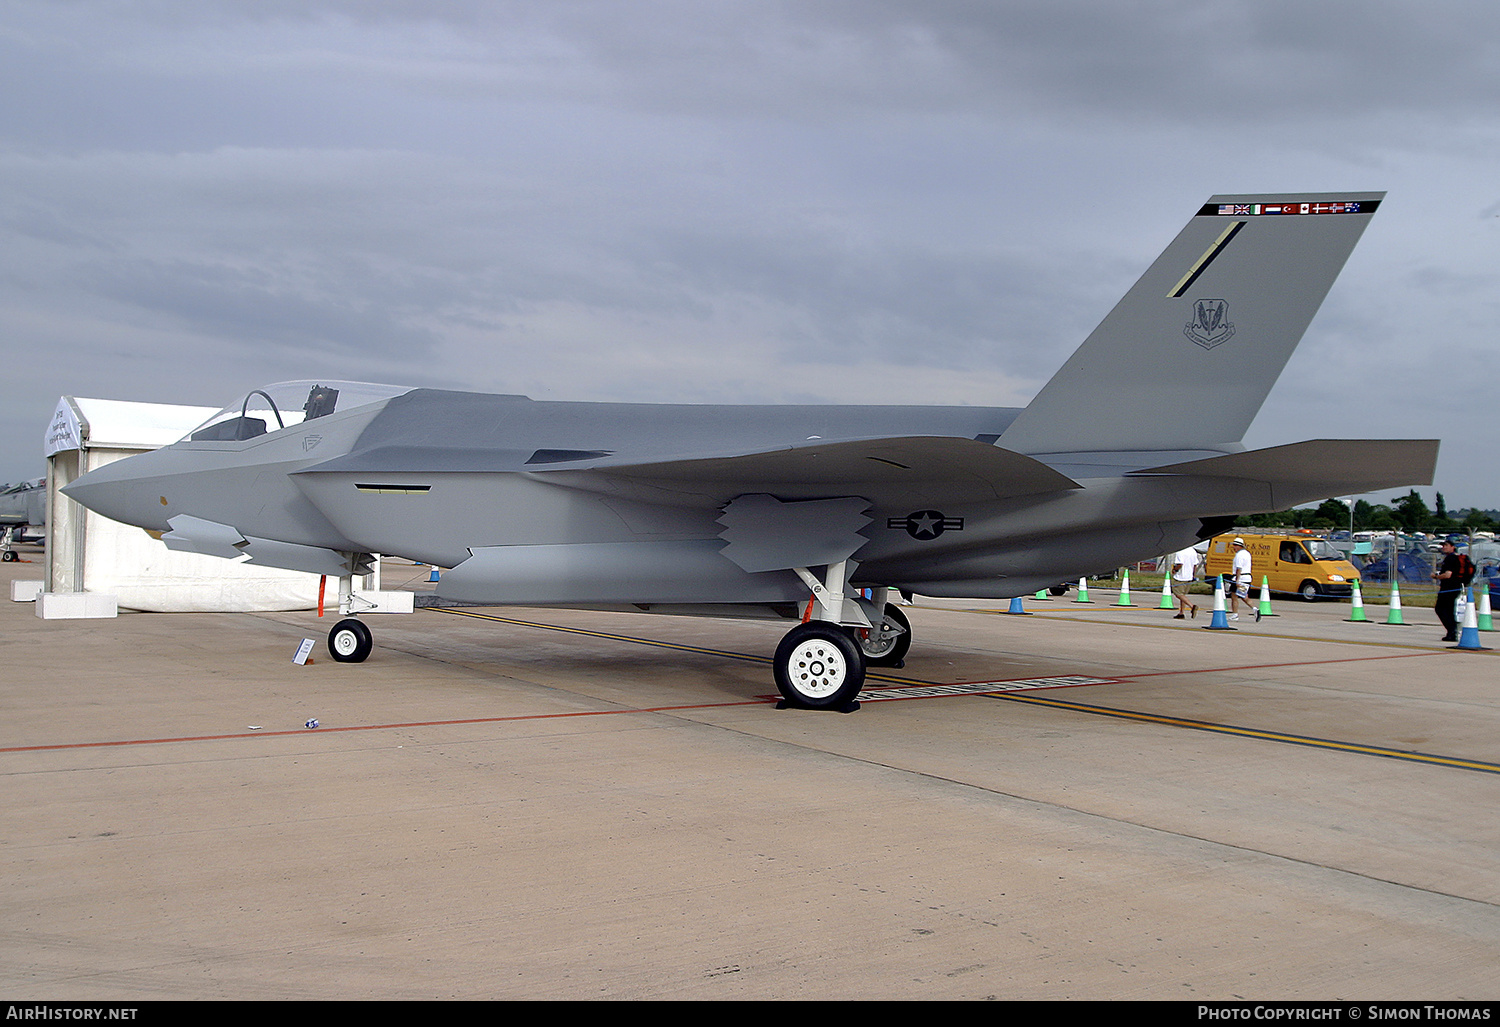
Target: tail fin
{"x":1186,"y":359}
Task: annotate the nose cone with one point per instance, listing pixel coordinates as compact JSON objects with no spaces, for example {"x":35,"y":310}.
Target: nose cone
{"x":128,"y":491}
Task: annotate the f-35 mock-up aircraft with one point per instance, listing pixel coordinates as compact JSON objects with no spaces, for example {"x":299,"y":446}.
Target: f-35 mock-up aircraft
{"x":813,"y":514}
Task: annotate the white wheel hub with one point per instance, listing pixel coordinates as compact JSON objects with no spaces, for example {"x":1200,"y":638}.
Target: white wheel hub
{"x":345,"y":643}
{"x":816,"y":668}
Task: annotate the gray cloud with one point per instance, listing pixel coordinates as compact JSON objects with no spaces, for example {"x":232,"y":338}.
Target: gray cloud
{"x":799,"y":201}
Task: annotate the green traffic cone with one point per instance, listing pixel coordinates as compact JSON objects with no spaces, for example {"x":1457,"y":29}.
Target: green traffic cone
{"x":1265,"y":599}
{"x":1357,"y":610}
{"x":1124,"y":599}
{"x":1083,"y":591}
{"x":1394,"y":617}
{"x":1167,"y":602}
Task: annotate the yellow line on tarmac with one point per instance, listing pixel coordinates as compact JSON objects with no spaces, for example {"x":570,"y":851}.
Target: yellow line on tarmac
{"x":1405,"y":755}
{"x":1054,"y":615}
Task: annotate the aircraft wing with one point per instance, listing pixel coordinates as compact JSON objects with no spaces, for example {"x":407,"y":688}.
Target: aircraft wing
{"x":1304,"y":471}
{"x":938,"y":467}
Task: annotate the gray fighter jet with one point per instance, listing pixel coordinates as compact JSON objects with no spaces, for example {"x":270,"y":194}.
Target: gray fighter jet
{"x":22,"y":506}
{"x":813,"y":514}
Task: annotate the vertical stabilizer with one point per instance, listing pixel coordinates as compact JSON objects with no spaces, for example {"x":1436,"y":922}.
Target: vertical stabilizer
{"x":1186,"y":359}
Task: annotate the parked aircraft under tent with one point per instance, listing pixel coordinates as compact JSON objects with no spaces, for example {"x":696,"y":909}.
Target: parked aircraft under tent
{"x":88,"y":553}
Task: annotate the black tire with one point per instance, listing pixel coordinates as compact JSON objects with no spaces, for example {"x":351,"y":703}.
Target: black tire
{"x":8,"y":557}
{"x":893,"y":653}
{"x":818,"y":666}
{"x":350,"y":641}
{"x":1058,"y":590}
{"x":1310,"y":591}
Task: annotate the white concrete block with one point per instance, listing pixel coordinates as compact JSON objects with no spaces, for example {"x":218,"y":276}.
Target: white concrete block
{"x":75,"y":605}
{"x":383,"y":602}
{"x":25,"y":591}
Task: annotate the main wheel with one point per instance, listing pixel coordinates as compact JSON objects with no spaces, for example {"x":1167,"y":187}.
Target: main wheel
{"x":1310,"y":591}
{"x":9,"y":557}
{"x":350,"y":641}
{"x":888,"y":652}
{"x":818,"y":666}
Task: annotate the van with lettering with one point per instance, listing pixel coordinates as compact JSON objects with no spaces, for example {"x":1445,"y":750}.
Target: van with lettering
{"x":1302,"y":564}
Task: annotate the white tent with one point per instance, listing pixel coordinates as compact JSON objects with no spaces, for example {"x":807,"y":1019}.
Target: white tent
{"x":87,"y":552}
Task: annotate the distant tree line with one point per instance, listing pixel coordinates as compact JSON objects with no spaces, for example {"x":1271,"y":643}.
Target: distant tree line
{"x":1406,"y":513}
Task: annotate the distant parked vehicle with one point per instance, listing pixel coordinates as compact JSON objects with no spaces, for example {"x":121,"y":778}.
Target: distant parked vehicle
{"x":1309,"y":567}
{"x":1486,"y":556}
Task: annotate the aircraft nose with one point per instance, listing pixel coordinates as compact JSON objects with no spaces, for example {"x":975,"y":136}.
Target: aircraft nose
{"x":121,"y":492}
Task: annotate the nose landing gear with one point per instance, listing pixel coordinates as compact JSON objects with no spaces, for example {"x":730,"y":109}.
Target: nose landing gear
{"x":350,"y":641}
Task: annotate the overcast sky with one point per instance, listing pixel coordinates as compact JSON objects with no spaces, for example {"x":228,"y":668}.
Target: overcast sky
{"x":812,"y":200}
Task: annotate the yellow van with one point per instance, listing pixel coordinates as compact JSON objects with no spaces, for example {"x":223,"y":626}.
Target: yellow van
{"x":1293,"y":563}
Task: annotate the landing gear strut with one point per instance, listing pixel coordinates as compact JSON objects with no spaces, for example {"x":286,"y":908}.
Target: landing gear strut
{"x":820,"y":664}
{"x":350,"y":641}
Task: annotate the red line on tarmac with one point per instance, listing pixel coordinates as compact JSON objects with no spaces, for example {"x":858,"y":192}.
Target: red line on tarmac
{"x":896,"y":682}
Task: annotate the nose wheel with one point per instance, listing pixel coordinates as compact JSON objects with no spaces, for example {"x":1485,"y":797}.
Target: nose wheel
{"x":350,"y":641}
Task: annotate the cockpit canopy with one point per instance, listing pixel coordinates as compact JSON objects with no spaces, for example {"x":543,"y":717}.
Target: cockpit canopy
{"x":287,"y":403}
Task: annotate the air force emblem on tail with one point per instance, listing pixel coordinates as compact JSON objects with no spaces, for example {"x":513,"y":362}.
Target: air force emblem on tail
{"x":1210,"y":325}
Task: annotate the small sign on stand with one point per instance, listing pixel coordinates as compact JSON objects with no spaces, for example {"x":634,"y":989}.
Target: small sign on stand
{"x":304,"y":652}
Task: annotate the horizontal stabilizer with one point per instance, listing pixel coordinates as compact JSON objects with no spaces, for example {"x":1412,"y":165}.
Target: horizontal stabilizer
{"x":1304,"y":471}
{"x":951,"y":465}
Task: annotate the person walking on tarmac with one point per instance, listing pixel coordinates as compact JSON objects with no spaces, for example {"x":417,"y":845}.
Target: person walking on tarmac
{"x":1184,"y":567}
{"x":1455,"y":571}
{"x":1240,"y":579}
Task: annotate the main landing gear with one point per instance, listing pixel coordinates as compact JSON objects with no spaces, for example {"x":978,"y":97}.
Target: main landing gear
{"x":820,"y":664}
{"x":886,"y":644}
{"x":818,"y":667}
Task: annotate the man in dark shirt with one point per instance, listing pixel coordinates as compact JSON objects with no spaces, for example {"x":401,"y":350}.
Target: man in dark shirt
{"x":1449,"y":577}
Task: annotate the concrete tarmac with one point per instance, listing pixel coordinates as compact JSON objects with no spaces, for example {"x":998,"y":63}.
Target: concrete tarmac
{"x":513,"y":803}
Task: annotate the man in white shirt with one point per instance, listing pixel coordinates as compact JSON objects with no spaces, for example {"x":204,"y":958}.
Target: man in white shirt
{"x":1239,"y":579}
{"x":1184,"y":569}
